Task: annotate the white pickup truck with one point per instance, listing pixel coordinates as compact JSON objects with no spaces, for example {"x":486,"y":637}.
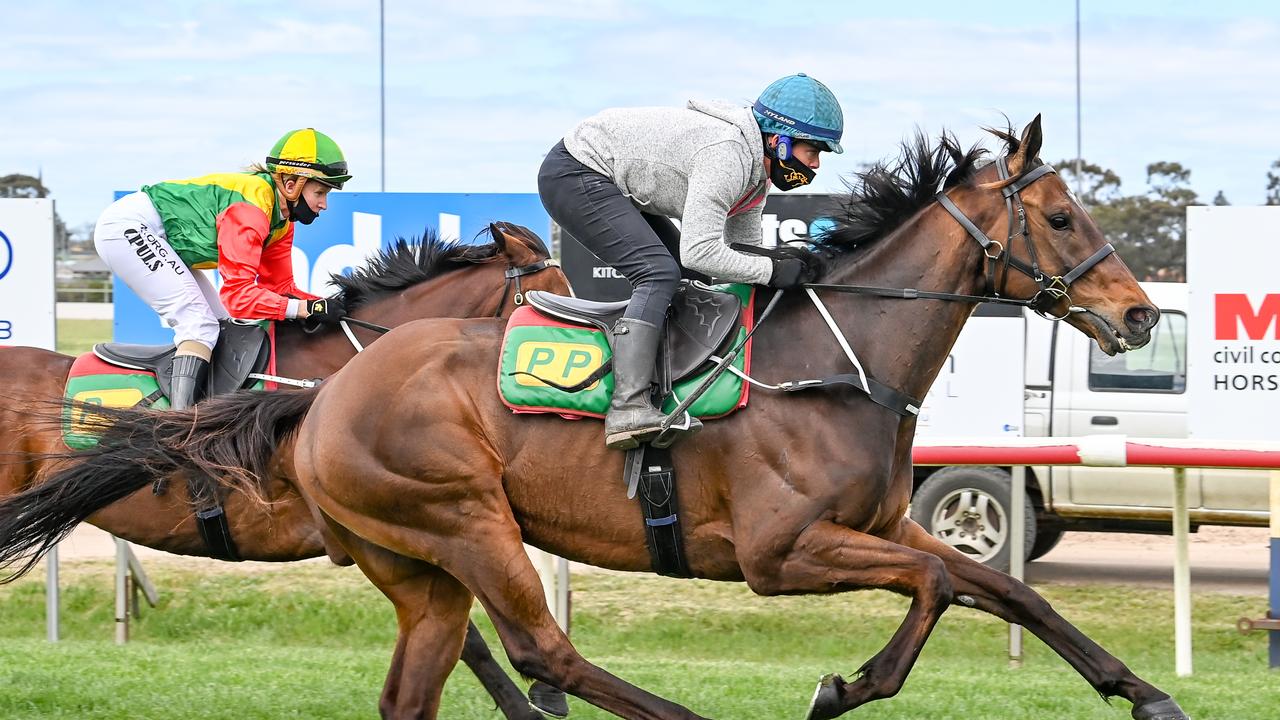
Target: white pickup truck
{"x":1073,"y":389}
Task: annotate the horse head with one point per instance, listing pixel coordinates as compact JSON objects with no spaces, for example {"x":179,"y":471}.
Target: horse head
{"x":1054,"y":252}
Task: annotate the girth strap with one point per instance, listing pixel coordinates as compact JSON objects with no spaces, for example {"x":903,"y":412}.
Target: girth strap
{"x":651,"y":476}
{"x":216,"y":533}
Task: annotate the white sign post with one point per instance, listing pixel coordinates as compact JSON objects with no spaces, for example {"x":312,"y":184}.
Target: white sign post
{"x":27,"y":312}
{"x":26,"y":273}
{"x":1233,"y":341}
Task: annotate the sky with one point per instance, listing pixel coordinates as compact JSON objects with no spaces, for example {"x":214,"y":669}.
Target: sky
{"x":107,"y":96}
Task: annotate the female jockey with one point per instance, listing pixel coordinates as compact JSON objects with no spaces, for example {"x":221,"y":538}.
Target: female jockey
{"x":614,"y":181}
{"x":239,"y":223}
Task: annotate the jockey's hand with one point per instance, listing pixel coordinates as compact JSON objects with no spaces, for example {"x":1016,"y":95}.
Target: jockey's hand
{"x":325,"y":310}
{"x":791,"y":272}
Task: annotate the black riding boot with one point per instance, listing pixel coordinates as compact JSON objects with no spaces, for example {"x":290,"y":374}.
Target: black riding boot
{"x":632,"y":418}
{"x":189,"y":376}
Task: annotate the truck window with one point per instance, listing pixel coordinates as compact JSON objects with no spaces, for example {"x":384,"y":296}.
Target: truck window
{"x":1160,"y":366}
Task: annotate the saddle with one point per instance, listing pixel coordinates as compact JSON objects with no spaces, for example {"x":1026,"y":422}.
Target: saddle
{"x":242,"y":348}
{"x":700,"y":323}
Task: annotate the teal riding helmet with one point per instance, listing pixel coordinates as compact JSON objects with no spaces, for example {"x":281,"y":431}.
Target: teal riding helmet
{"x":802,"y":108}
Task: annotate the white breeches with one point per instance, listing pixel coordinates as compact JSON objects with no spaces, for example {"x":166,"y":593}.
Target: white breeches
{"x":130,"y":239}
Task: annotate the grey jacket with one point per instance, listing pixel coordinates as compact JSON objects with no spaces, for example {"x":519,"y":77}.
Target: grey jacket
{"x":694,"y":163}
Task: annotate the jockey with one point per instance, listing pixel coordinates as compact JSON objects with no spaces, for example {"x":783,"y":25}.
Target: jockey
{"x":616,"y":179}
{"x":241,"y":224}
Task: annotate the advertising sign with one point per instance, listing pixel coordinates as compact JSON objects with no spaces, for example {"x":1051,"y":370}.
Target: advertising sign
{"x":354,"y":227}
{"x":1233,"y":319}
{"x":26,"y":273}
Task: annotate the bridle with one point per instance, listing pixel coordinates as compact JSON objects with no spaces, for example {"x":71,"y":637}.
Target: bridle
{"x":513,"y":274}
{"x":1052,"y":288}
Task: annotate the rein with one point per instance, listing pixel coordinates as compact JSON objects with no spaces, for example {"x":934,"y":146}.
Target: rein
{"x":1052,"y":289}
{"x":346,"y":321}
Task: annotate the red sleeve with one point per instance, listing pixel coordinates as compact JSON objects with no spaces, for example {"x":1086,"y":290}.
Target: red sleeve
{"x":275,"y":272}
{"x":242,"y":231}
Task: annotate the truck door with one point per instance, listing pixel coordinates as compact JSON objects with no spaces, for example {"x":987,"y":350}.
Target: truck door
{"x":1140,"y":393}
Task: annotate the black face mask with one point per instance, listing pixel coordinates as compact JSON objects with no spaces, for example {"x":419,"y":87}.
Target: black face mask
{"x":301,"y":212}
{"x":789,"y":174}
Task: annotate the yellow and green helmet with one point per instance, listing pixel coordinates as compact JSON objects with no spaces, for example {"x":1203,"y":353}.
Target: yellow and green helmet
{"x":310,"y":154}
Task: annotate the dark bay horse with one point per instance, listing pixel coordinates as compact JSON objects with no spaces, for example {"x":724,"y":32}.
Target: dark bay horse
{"x":405,"y":282}
{"x":431,"y":484}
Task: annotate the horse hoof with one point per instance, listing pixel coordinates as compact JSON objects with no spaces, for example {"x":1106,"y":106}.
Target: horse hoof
{"x":1165,"y":709}
{"x":826,"y":698}
{"x":548,"y":700}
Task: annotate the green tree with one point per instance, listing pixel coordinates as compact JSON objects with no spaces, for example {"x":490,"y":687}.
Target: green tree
{"x":27,"y":186}
{"x":1149,"y":230}
{"x":1273,"y":184}
{"x":1096,"y":185}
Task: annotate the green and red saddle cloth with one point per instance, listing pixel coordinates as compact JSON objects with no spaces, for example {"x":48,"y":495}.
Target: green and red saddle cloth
{"x":538,"y":347}
{"x":95,"y":381}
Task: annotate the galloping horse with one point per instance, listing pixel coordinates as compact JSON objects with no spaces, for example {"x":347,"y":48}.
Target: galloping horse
{"x":405,"y":282}
{"x":431,"y":484}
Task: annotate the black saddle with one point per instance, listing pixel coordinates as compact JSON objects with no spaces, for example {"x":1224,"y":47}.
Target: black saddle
{"x":700,"y":323}
{"x":243,"y":348}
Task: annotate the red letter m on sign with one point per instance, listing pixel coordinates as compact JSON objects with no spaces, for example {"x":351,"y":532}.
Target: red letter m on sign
{"x":1231,"y":310}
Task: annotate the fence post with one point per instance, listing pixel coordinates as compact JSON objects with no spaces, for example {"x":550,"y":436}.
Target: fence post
{"x":51,"y":589}
{"x":1273,"y":642}
{"x":1017,"y":551}
{"x":1181,"y":575}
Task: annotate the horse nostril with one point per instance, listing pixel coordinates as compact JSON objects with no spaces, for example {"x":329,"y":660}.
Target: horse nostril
{"x":1141,"y":318}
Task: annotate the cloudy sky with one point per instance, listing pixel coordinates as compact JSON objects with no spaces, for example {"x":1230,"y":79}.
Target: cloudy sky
{"x":105,"y":96}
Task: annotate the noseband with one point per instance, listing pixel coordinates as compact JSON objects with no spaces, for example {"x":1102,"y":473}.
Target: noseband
{"x":514,"y":274}
{"x":1053,"y":288}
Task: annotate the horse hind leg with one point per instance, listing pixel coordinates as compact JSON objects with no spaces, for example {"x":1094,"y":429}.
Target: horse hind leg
{"x":994,"y":592}
{"x":432,"y":610}
{"x":493,"y":564}
{"x":827,"y":557}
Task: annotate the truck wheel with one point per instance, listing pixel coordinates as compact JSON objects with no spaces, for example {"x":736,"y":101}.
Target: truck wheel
{"x":1046,"y":540}
{"x":968,"y":509}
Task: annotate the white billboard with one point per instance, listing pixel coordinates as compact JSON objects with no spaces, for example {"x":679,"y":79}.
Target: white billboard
{"x":1233,"y":322}
{"x":26,"y":273}
{"x":980,"y":390}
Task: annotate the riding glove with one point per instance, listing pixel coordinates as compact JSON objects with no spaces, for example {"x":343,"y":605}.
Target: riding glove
{"x":791,"y":272}
{"x":325,"y":310}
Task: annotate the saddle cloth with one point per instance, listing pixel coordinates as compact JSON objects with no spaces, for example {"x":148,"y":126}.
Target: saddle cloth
{"x":123,"y":375}
{"x":555,"y":351}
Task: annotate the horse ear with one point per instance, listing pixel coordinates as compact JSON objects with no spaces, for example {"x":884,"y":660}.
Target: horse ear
{"x":1028,"y":146}
{"x":499,"y":238}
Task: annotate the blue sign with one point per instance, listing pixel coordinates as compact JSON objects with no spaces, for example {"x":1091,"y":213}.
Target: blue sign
{"x":355,"y":226}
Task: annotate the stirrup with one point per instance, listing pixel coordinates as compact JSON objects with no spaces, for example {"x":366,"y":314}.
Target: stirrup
{"x":684,"y":428}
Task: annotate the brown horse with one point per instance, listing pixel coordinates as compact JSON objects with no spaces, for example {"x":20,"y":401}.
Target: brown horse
{"x":404,"y":282}
{"x":431,"y":484}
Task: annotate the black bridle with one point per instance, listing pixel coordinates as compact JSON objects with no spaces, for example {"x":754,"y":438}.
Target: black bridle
{"x":514,"y":274}
{"x":1052,"y":288}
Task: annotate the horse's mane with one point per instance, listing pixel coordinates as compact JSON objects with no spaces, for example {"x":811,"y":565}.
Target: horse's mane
{"x":405,"y":263}
{"x":890,"y":192}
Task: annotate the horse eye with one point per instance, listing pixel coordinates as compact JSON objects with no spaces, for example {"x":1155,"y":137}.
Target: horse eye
{"x":1060,"y":221}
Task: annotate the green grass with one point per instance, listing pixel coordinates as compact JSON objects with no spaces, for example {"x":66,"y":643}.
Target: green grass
{"x":308,"y":640}
{"x":78,"y":336}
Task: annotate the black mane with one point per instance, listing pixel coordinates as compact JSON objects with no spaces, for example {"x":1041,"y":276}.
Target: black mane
{"x":404,"y":264}
{"x":889,"y":193}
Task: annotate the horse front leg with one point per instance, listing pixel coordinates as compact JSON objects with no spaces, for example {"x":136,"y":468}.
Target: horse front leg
{"x":992,"y":591}
{"x":827,"y":557}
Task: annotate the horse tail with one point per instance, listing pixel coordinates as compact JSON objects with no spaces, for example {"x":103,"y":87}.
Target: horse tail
{"x":230,"y":438}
